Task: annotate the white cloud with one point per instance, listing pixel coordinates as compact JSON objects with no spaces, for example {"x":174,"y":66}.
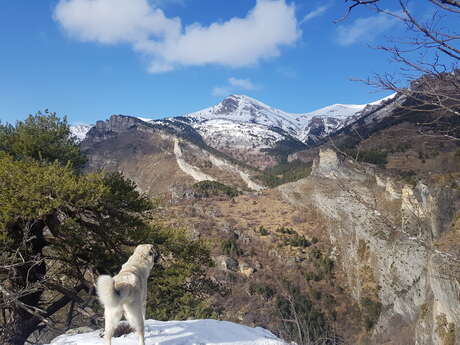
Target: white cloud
{"x":244,"y":84}
{"x":313,"y":14}
{"x":114,"y":21}
{"x":221,"y":91}
{"x":364,"y":29}
{"x":161,"y":3}
{"x":237,"y":42}
{"x":233,"y":84}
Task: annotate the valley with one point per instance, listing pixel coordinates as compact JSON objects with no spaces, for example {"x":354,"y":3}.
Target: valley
{"x":348,"y":246}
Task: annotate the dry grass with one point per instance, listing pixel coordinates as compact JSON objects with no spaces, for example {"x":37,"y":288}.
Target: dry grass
{"x":273,"y":260}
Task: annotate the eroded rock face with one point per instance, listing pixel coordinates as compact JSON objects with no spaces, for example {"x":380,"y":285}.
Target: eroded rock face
{"x":384,"y":234}
{"x":327,"y":165}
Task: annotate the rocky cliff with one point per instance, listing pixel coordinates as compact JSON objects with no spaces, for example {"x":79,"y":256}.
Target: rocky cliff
{"x":398,"y":245}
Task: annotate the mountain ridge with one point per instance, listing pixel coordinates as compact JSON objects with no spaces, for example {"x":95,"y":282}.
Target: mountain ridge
{"x":242,"y":108}
{"x":255,"y":133}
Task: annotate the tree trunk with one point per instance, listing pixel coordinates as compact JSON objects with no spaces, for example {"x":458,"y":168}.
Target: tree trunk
{"x":19,"y":332}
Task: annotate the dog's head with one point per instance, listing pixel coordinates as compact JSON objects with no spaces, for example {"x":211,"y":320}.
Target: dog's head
{"x":148,"y":253}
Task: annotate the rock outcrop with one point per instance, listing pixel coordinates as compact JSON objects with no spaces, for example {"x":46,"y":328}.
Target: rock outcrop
{"x":387,"y":237}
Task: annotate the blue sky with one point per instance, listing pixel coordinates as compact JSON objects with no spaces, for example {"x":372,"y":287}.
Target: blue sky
{"x":88,"y":59}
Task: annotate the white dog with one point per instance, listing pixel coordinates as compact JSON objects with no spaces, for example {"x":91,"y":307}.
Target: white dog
{"x":126,"y":292}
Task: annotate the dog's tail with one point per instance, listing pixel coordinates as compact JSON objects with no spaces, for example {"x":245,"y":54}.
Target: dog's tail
{"x":106,"y":291}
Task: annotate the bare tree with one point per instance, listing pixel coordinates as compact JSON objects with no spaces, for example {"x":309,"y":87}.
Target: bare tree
{"x":428,"y":56}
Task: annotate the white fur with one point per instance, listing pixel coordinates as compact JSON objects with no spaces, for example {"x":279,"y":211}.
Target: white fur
{"x":126,"y":293}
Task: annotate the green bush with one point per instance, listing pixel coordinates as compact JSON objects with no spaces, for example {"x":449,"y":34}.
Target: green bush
{"x":374,"y":157}
{"x":206,"y":189}
{"x":370,"y":312}
{"x":293,"y":238}
{"x":315,"y":254}
{"x":263,"y":231}
{"x":262,"y":289}
{"x":297,"y":241}
{"x":309,"y":276}
{"x":327,"y":265}
{"x":286,"y":230}
{"x":410,"y":177}
{"x":230,"y":247}
{"x":323,"y":266}
{"x":285,"y":172}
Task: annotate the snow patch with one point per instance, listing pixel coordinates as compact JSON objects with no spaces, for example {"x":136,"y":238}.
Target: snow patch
{"x":387,"y":98}
{"x":193,"y":332}
{"x":337,"y":111}
{"x":225,"y":133}
{"x":145,"y":119}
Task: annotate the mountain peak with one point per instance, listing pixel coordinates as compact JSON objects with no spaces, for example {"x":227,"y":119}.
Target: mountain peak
{"x":245,"y":109}
{"x":235,"y":101}
{"x":242,"y":98}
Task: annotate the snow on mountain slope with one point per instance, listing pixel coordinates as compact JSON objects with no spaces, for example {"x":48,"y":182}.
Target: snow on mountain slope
{"x":324,"y":121}
{"x":80,"y":131}
{"x":240,"y":109}
{"x":337,"y":111}
{"x":246,"y":128}
{"x":244,"y":134}
{"x":384,"y":99}
{"x":244,"y":109}
{"x":145,"y":119}
{"x":193,"y":332}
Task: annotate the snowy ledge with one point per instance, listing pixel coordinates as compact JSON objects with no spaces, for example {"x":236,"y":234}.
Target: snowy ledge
{"x":194,"y":332}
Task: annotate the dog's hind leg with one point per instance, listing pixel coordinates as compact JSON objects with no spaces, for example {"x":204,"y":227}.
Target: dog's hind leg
{"x":112,"y":318}
{"x":135,"y":317}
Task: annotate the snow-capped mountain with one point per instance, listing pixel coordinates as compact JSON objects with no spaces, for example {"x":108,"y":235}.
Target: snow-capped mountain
{"x":256,"y":133}
{"x":322,"y":122}
{"x":244,"y":109}
{"x":240,"y":109}
{"x":244,"y":121}
{"x":80,"y":131}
